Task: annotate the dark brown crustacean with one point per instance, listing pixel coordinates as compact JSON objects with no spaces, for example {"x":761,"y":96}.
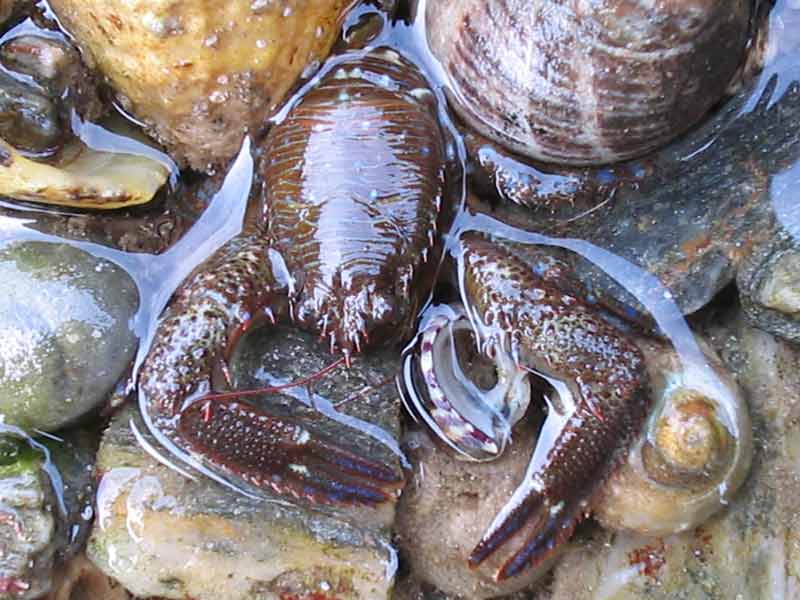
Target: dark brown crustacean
{"x":584,"y":83}
{"x":353,"y":179}
{"x":354,"y":184}
{"x":687,"y":462}
{"x":539,"y":321}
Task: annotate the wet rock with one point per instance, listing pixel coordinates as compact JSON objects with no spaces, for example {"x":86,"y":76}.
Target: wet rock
{"x":446,"y":508}
{"x":693,"y":213}
{"x":65,"y":321}
{"x":52,"y":62}
{"x":6,"y":8}
{"x":27,"y":521}
{"x":9,"y":8}
{"x":148,"y":229}
{"x":72,"y":456}
{"x":366,"y":391}
{"x":409,"y":588}
{"x":80,"y":579}
{"x":551,"y":195}
{"x":161,"y":533}
{"x":769,"y":286}
{"x":749,"y":550}
{"x":202,"y":76}
{"x":29,"y":120}
{"x":693,"y":223}
{"x":46,"y":494}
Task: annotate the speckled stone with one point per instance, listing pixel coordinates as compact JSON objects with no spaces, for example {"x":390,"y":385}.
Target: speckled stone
{"x":65,"y":322}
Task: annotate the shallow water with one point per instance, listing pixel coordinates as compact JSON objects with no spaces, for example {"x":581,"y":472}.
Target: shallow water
{"x":614,"y":236}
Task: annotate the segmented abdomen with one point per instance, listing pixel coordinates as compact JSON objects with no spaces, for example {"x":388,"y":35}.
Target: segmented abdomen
{"x":354,"y":177}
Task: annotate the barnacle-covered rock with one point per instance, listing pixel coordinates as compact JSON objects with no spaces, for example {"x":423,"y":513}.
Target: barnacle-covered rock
{"x":203,"y":74}
{"x":46,"y":492}
{"x":65,"y":324}
{"x":769,"y":286}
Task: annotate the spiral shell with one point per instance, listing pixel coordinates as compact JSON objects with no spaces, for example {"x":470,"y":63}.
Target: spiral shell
{"x":588,"y":82}
{"x":693,"y":456}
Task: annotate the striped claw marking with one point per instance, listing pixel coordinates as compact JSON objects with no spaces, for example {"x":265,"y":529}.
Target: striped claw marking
{"x":476,"y":423}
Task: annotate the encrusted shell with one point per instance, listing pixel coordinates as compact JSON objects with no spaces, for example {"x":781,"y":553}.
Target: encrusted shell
{"x":201,"y":74}
{"x":590,"y":81}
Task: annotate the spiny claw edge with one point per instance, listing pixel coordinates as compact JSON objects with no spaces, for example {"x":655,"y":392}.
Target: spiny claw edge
{"x":273,"y":452}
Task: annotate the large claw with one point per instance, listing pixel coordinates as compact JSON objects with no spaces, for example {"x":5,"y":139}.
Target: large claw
{"x":526,"y":320}
{"x":568,"y":465}
{"x":274,"y":452}
{"x":187,"y":360}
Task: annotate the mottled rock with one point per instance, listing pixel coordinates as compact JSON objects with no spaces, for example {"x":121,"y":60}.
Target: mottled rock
{"x":72,"y":457}
{"x":769,"y":287}
{"x":65,"y":321}
{"x":202,"y":76}
{"x":161,"y":533}
{"x":13,"y":8}
{"x":27,"y":521}
{"x":693,"y":222}
{"x":46,"y":494}
{"x":366,"y":391}
{"x":6,"y":9}
{"x":80,"y":579}
{"x":692,"y":213}
{"x":748,"y":551}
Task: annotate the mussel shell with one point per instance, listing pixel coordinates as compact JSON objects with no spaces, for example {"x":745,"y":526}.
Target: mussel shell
{"x":587,"y":82}
{"x":29,"y":120}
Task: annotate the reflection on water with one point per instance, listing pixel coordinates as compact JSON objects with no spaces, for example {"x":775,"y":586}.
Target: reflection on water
{"x":664,"y":234}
